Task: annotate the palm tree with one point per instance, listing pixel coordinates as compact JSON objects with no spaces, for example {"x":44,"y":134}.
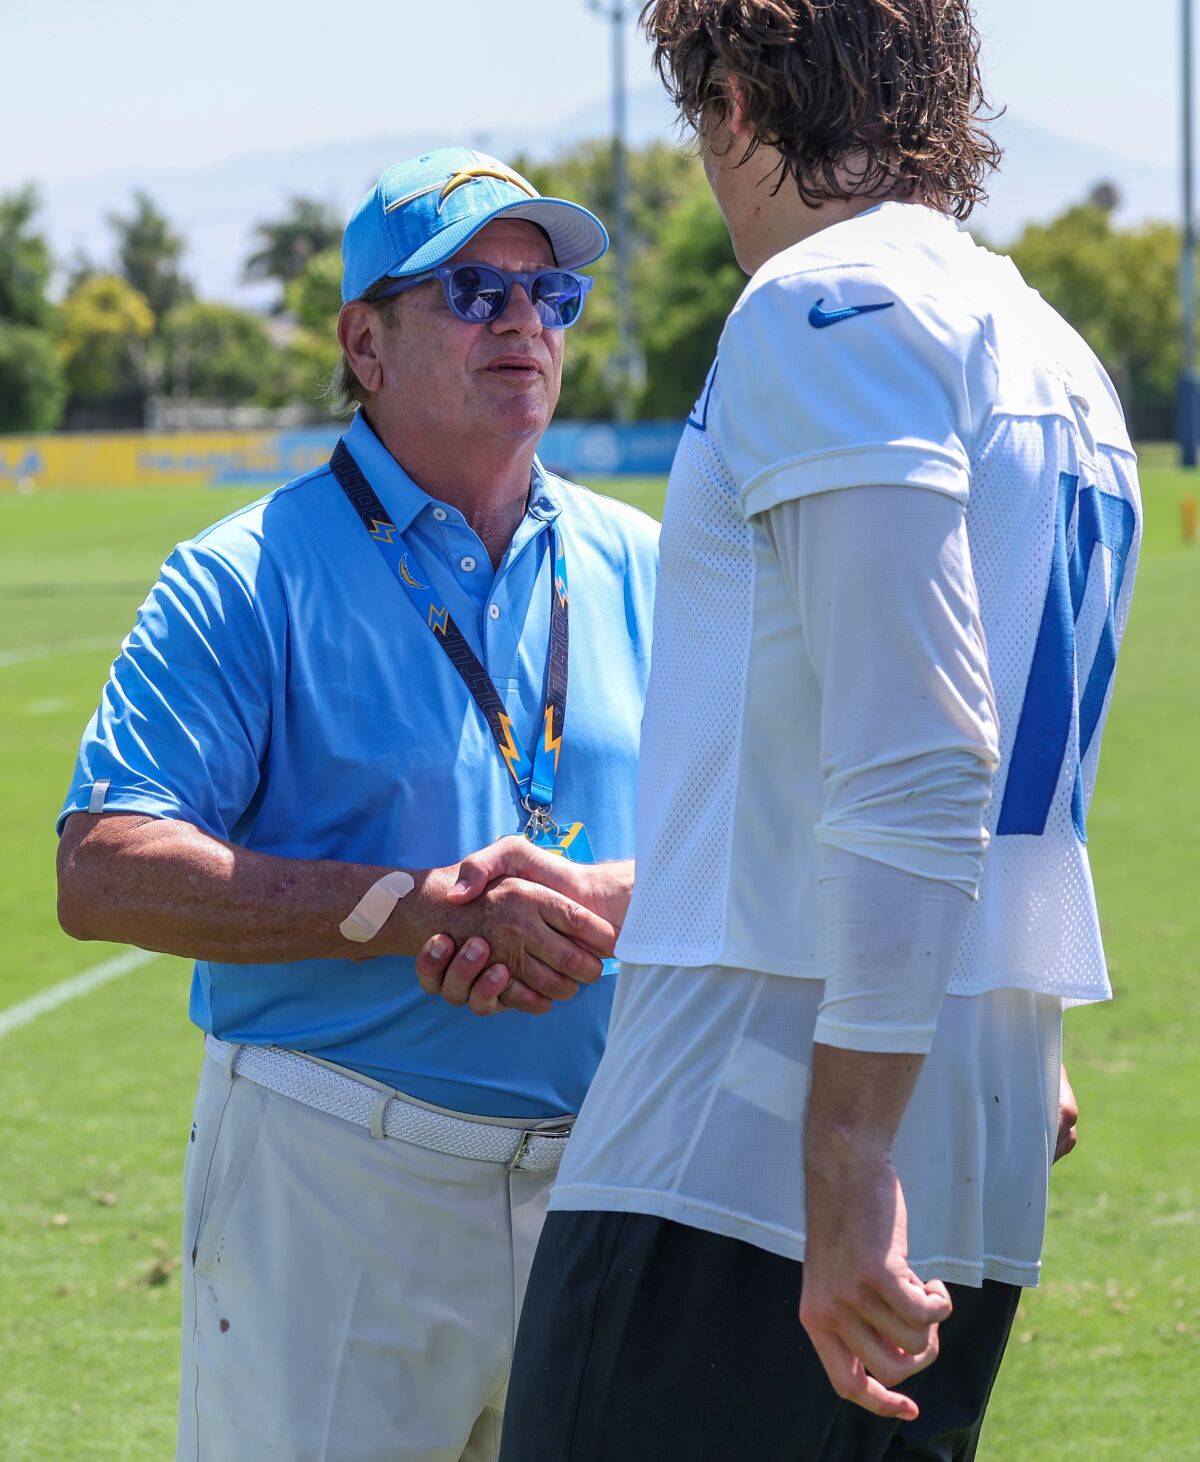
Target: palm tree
{"x":148,"y":254}
{"x":288,"y":243}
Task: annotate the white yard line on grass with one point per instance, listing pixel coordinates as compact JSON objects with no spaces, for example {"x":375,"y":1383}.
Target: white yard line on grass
{"x":71,"y":989}
{"x":44,"y":652}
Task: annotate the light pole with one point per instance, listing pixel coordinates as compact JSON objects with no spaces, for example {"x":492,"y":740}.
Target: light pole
{"x":1188,"y":392}
{"x":626,"y":362}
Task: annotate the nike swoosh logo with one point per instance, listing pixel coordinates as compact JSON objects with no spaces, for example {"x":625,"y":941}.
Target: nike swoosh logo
{"x":821,"y":319}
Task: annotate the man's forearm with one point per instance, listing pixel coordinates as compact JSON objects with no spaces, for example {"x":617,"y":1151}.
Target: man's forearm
{"x":855,"y":1105}
{"x":166,"y":885}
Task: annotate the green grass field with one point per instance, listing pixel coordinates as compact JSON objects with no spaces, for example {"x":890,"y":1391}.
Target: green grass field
{"x":97,"y":1094}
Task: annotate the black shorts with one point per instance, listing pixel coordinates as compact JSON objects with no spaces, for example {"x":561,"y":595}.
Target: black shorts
{"x":643,"y":1340}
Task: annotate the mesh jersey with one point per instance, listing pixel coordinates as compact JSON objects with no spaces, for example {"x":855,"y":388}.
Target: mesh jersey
{"x":962,"y":381}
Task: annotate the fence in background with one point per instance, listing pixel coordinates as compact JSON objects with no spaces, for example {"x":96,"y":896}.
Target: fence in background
{"x":226,"y":459}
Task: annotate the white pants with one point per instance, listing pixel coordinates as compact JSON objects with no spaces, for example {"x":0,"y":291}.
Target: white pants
{"x":345,"y":1298}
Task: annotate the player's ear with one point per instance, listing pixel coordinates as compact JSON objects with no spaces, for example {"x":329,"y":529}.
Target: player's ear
{"x":739,"y":125}
{"x":724,"y":125}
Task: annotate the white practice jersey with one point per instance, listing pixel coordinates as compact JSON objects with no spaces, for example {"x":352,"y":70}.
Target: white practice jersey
{"x":697,"y":1115}
{"x":886,"y":350}
{"x":885,"y":354}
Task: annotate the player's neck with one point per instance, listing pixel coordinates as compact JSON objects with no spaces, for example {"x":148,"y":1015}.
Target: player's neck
{"x":771,"y":229}
{"x":765,"y":218}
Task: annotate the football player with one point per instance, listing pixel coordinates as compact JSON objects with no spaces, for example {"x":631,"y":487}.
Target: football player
{"x":898,"y":551}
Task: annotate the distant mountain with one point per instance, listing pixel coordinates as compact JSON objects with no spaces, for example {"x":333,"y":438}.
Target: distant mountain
{"x":216,"y":206}
{"x":1043,"y":172}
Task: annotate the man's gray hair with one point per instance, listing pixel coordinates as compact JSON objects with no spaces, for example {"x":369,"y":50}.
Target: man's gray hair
{"x":344,"y":391}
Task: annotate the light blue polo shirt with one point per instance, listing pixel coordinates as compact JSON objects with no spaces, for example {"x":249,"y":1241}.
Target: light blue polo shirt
{"x":280,"y":690}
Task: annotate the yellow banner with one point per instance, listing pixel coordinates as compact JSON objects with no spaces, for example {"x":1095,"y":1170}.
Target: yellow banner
{"x":162,"y":459}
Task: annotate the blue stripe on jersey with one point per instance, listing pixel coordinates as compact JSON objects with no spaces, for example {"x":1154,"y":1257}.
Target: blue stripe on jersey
{"x":1048,"y":709}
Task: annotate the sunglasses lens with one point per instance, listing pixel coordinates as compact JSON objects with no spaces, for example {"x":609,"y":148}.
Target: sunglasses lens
{"x":476,"y":293}
{"x":558,"y":298}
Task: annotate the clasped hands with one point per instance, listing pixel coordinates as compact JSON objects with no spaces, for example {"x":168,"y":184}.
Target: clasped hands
{"x":526,"y":928}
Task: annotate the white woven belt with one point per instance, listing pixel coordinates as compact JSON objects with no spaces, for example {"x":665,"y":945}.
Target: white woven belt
{"x":384,"y":1114}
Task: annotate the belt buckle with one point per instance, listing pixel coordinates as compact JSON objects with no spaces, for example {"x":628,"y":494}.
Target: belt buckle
{"x":558,"y":1133}
{"x":518,"y":1157}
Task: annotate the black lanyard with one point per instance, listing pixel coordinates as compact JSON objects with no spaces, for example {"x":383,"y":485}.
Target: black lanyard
{"x":534,"y":776}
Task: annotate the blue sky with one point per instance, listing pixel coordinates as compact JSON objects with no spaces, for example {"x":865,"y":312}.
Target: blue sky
{"x":89,"y":89}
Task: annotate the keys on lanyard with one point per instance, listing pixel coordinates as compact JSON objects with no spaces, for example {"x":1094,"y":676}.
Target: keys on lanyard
{"x":534,"y":777}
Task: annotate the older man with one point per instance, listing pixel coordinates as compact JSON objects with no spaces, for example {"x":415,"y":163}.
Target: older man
{"x":327,"y":700}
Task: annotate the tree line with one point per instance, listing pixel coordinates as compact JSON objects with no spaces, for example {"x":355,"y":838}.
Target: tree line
{"x":120,"y":332}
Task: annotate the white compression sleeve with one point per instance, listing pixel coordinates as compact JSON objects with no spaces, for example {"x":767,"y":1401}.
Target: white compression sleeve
{"x":883,"y":584}
{"x":891,"y":938}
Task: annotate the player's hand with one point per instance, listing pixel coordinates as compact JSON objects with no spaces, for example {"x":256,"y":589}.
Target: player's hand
{"x":547,"y":944}
{"x":1068,"y":1115}
{"x":872,"y":1321}
{"x":602,"y":887}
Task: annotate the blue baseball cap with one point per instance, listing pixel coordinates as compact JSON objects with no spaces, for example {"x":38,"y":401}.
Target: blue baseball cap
{"x":423,"y":211}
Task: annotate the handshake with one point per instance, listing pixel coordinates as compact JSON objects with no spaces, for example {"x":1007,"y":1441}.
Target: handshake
{"x":522,"y":928}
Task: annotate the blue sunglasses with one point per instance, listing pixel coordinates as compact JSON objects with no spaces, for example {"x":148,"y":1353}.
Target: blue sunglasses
{"x":478,"y":293}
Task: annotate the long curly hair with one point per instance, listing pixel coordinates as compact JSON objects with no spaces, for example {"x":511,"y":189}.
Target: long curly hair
{"x":860,"y":97}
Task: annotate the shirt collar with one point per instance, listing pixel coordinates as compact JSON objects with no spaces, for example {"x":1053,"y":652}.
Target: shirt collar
{"x":404,"y":500}
{"x":545,"y":494}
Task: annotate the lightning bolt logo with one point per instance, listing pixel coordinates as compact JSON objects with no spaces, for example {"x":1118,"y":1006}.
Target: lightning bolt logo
{"x":405,"y":575}
{"x":560,"y":589}
{"x":462,"y":176}
{"x":438,"y":620}
{"x":459,"y":178}
{"x":382,"y":532}
{"x":553,"y":743}
{"x":510,"y":751}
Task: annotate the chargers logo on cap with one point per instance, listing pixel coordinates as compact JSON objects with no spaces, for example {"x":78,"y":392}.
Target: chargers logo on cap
{"x":460,"y":177}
